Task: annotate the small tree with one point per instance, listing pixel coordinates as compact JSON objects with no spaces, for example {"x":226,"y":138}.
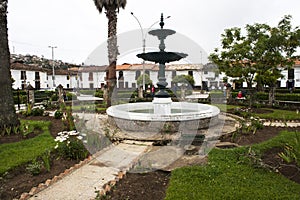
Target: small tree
{"x":262,"y":52}
{"x":148,"y":81}
{"x":184,"y":79}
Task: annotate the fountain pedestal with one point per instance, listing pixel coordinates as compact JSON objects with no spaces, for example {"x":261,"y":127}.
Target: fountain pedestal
{"x":162,"y":106}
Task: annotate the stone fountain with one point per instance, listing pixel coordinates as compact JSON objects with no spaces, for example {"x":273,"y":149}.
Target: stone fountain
{"x":151,"y":120}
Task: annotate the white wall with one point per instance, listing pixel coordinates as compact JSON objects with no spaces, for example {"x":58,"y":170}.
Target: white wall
{"x":30,"y":78}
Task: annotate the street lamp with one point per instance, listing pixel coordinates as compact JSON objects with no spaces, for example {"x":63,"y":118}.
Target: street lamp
{"x":144,"y":36}
{"x":53,"y":72}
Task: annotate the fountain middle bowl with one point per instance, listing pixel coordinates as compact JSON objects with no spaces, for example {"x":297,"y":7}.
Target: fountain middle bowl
{"x":140,"y":117}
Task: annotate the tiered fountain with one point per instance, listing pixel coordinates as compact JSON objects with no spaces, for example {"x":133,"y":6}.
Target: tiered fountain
{"x":162,"y":115}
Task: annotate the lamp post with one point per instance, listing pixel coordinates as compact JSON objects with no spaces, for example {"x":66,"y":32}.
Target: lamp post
{"x":53,"y":72}
{"x":144,"y":36}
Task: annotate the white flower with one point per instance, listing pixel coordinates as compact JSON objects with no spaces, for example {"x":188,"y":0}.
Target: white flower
{"x":73,"y":132}
{"x":56,"y":146}
{"x":84,"y":141}
{"x":79,"y":137}
{"x":83,"y":134}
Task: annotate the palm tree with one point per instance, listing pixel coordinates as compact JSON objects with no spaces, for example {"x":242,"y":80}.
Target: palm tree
{"x":8,"y":117}
{"x":111,"y":7}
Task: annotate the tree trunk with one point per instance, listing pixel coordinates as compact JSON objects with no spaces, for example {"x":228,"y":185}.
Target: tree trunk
{"x":271,"y":95}
{"x":112,"y":47}
{"x":251,"y":94}
{"x":8,"y":117}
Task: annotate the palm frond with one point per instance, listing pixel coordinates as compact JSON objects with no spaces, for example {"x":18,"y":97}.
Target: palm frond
{"x":109,"y":4}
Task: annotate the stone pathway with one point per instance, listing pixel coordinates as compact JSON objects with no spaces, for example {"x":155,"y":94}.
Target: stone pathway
{"x":105,"y":167}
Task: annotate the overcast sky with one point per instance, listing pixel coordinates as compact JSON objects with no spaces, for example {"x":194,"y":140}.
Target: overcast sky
{"x":77,"y":28}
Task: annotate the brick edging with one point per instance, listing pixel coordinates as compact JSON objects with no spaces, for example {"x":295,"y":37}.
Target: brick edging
{"x":49,"y":182}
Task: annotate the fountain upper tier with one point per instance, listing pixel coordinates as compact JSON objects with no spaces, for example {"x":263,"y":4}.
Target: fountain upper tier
{"x":162,"y":56}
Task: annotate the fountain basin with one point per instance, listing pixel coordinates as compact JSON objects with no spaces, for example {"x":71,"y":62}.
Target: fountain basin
{"x":183,"y":116}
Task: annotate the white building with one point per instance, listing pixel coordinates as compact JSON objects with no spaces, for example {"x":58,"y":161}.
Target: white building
{"x":24,"y":75}
{"x":93,"y":77}
{"x":66,"y":78}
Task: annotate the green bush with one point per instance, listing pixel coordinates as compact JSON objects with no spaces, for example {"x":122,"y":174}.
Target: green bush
{"x":54,"y":97}
{"x":58,"y":114}
{"x":99,"y":93}
{"x":37,"y":112}
{"x":70,"y":146}
{"x":71,"y":96}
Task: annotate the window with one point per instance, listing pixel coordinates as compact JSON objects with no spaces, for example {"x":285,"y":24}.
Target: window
{"x":23,"y":85}
{"x":173,"y":74}
{"x":191,"y":73}
{"x":23,"y":75}
{"x":137,"y":74}
{"x":91,"y":86}
{"x":147,"y":72}
{"x":37,"y":75}
{"x":291,"y":73}
{"x":121,"y":77}
{"x":91,"y":76}
{"x":68,"y":77}
{"x":205,"y":72}
{"x":37,"y":85}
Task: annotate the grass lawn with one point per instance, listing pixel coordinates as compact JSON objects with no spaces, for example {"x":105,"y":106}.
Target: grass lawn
{"x":275,"y":114}
{"x":228,"y":175}
{"x":280,"y":115}
{"x":15,"y":154}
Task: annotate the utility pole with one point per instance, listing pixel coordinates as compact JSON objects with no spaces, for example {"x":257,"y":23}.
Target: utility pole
{"x":53,"y":71}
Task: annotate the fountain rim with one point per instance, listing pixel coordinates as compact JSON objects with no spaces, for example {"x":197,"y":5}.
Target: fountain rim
{"x":125,"y":111}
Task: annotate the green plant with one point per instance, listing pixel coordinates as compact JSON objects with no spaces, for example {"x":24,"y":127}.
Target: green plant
{"x":46,"y":157}
{"x":54,"y":97}
{"x":34,"y":168}
{"x":37,"y":112}
{"x":291,"y":151}
{"x":68,"y":120}
{"x":70,"y":146}
{"x":255,"y":124}
{"x":58,"y":114}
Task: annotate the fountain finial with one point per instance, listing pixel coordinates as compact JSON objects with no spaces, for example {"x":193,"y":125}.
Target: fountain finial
{"x":162,"y":21}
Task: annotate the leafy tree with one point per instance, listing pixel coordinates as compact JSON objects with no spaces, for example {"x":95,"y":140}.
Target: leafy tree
{"x":8,"y":117}
{"x":184,"y":79}
{"x":261,"y":53}
{"x":111,"y":7}
{"x":148,"y":81}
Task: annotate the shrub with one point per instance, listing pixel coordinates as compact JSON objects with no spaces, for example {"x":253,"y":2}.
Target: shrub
{"x":58,"y":114}
{"x":99,"y":93}
{"x":54,"y":97}
{"x":71,"y":96}
{"x":37,"y":112}
{"x":70,"y":146}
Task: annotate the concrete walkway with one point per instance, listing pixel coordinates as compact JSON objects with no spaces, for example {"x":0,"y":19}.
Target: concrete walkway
{"x":84,"y":182}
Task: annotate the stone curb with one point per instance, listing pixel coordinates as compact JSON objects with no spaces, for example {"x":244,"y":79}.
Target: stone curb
{"x":49,"y":182}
